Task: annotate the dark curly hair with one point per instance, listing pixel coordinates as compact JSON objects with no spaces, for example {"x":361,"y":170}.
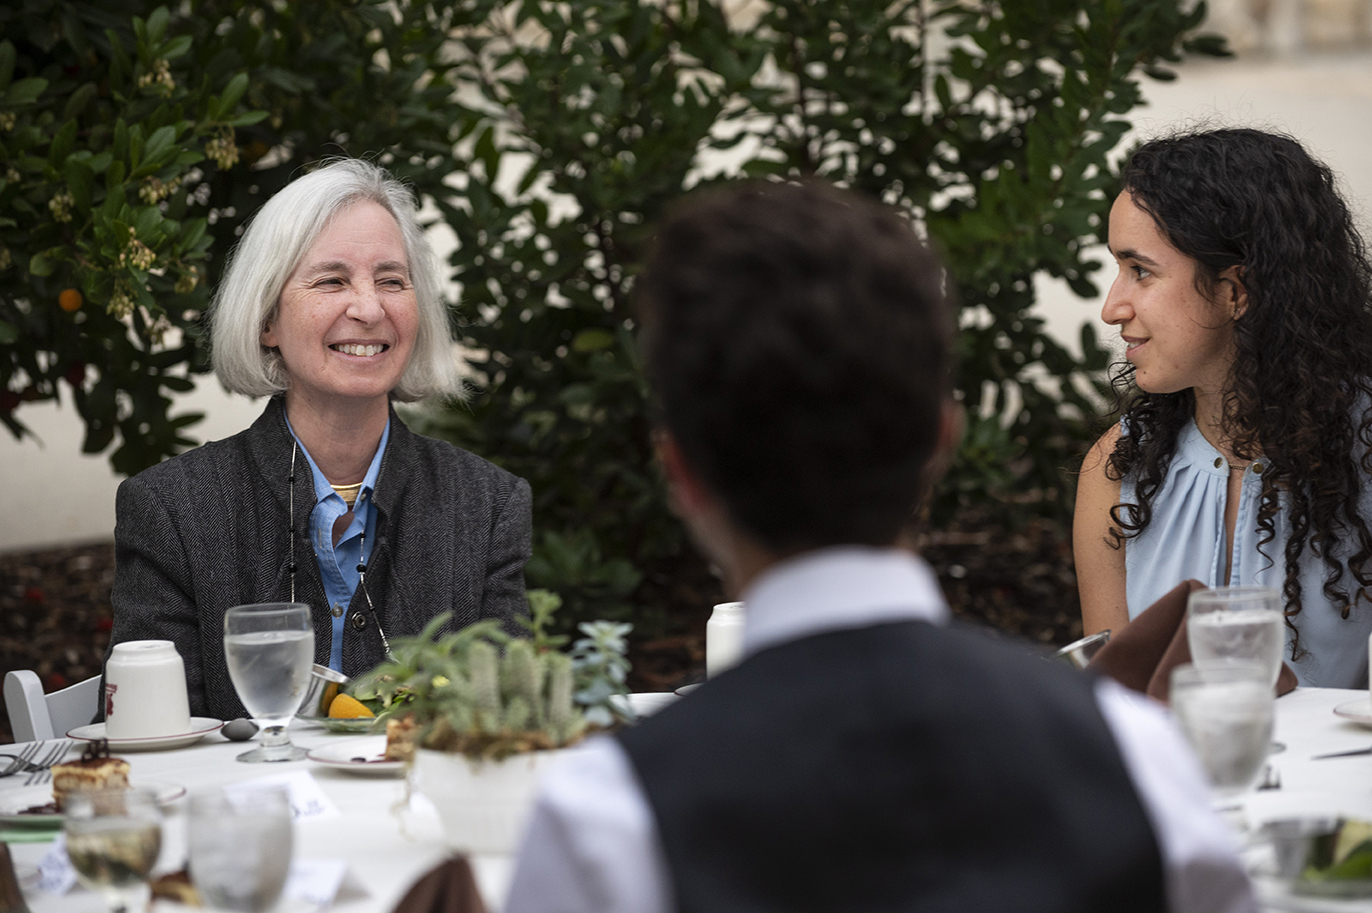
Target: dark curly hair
{"x":798,"y":340}
{"x":1300,"y":386}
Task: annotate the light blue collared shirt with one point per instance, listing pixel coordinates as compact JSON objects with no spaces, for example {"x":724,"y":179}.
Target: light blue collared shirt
{"x":338,"y":563}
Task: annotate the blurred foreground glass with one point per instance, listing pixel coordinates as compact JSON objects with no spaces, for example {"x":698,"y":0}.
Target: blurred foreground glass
{"x":113,"y":840}
{"x":240,"y":847}
{"x":1226,"y":713}
{"x":1229,"y":623}
{"x":269,"y":649}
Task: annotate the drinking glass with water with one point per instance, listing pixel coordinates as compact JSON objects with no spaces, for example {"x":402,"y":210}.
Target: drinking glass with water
{"x":1226,"y":713}
{"x":240,"y":847}
{"x":269,"y":649}
{"x":1236,"y":624}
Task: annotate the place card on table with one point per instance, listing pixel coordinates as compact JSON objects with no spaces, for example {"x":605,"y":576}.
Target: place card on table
{"x":315,"y":881}
{"x":55,"y":873}
{"x":306,"y":797}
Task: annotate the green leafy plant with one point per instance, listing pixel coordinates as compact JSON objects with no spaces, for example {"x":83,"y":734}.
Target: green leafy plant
{"x":175,"y":123}
{"x":106,"y":137}
{"x":550,"y":137}
{"x":481,"y":693}
{"x":990,"y":123}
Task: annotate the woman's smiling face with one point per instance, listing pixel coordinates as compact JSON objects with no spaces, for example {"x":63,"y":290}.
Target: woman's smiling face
{"x":1176,"y":337}
{"x":347,"y":319}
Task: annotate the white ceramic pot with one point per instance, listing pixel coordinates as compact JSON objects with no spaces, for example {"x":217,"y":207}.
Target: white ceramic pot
{"x":483,"y":805}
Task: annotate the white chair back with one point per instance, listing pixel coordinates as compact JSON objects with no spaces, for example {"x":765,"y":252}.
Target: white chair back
{"x":35,"y":715}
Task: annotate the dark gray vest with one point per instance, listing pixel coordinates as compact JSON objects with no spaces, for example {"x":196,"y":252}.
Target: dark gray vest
{"x":897,"y":767}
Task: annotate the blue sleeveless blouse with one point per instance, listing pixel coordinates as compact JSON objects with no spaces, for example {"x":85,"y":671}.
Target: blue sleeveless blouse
{"x":1185,"y":539}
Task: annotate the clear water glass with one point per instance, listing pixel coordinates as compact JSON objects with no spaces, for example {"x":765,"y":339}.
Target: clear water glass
{"x":240,"y":844}
{"x":1226,"y":713}
{"x":113,"y":840}
{"x":1236,"y":623}
{"x":269,"y":649}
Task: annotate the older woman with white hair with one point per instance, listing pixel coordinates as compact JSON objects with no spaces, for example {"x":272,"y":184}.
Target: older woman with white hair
{"x":331,"y":308}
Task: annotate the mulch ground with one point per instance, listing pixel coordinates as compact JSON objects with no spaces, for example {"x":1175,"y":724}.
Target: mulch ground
{"x":55,"y":614}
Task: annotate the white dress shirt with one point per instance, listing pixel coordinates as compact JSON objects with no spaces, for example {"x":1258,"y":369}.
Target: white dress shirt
{"x":592,"y":845}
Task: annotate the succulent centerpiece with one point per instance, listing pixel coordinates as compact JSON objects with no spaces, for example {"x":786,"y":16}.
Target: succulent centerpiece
{"x":482,"y":693}
{"x":481,"y":712}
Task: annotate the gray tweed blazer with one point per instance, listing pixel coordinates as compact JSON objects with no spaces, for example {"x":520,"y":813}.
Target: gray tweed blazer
{"x":209,"y":529}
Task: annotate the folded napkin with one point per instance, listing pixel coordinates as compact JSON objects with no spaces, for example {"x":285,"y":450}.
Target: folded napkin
{"x":1143,"y":654}
{"x":449,"y":888}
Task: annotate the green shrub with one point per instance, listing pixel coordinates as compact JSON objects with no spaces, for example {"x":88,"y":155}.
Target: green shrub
{"x":990,"y":123}
{"x":550,"y":136}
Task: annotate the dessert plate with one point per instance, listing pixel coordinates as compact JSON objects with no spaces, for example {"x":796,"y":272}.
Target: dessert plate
{"x":15,"y":804}
{"x":365,"y":757}
{"x":1359,"y":711}
{"x":201,"y":726}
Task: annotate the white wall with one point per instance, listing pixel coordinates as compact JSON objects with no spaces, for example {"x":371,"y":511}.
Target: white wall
{"x":54,"y":495}
{"x":1324,"y":101}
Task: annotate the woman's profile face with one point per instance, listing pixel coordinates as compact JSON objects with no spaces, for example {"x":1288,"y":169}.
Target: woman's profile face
{"x":347,"y":319}
{"x":1175,"y":336}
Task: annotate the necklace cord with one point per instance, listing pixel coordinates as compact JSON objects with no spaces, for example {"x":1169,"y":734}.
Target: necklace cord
{"x":361,"y":564}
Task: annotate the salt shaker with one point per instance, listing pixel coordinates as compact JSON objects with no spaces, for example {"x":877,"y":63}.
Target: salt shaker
{"x":723,"y":638}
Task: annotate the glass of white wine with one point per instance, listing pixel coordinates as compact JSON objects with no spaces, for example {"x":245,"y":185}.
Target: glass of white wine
{"x":113,"y":840}
{"x":269,"y":649}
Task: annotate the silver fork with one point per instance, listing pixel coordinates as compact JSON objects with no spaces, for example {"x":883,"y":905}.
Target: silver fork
{"x":22,"y":762}
{"x":45,"y":762}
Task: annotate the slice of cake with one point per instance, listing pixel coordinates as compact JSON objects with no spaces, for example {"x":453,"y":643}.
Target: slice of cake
{"x":95,"y":769}
{"x":400,"y":736}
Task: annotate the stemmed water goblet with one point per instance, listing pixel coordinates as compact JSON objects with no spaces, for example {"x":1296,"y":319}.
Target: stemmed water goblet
{"x":269,"y":649}
{"x":1226,"y":713}
{"x":113,"y":839}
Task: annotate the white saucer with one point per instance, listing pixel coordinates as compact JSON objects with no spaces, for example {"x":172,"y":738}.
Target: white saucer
{"x":365,"y":757}
{"x":646,"y":703}
{"x":201,"y":726}
{"x":1359,"y":711}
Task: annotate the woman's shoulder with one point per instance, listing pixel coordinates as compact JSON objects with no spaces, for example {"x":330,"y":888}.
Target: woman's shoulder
{"x":210,"y":459}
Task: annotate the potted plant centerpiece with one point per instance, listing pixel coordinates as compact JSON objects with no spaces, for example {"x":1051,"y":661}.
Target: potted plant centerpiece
{"x":484,"y":712}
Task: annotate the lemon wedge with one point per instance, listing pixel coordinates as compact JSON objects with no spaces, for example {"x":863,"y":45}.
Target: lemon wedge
{"x":346,"y":707}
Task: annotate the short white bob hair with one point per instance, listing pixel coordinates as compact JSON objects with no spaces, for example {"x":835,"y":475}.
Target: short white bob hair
{"x":273,"y":245}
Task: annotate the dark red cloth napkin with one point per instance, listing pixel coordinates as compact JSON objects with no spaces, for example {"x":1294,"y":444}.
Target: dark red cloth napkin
{"x":1143,"y":655}
{"x":449,"y":888}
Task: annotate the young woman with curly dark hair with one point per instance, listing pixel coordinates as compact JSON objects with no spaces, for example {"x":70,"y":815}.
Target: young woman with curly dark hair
{"x":1242,"y":456}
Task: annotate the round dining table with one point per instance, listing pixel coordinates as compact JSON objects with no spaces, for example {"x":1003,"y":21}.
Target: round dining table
{"x":388,"y":839}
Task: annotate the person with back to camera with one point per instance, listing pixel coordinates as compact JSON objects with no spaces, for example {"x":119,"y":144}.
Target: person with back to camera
{"x":330,"y":306}
{"x":864,"y":755}
{"x":1241,"y":457}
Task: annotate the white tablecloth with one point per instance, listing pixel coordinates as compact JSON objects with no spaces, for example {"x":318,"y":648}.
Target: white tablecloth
{"x":386,"y":856}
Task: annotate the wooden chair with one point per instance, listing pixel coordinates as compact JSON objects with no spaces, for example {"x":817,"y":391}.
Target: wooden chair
{"x":35,"y":715}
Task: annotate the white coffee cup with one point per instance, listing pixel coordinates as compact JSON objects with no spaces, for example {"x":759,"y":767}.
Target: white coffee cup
{"x":145,"y":691}
{"x":723,"y":638}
